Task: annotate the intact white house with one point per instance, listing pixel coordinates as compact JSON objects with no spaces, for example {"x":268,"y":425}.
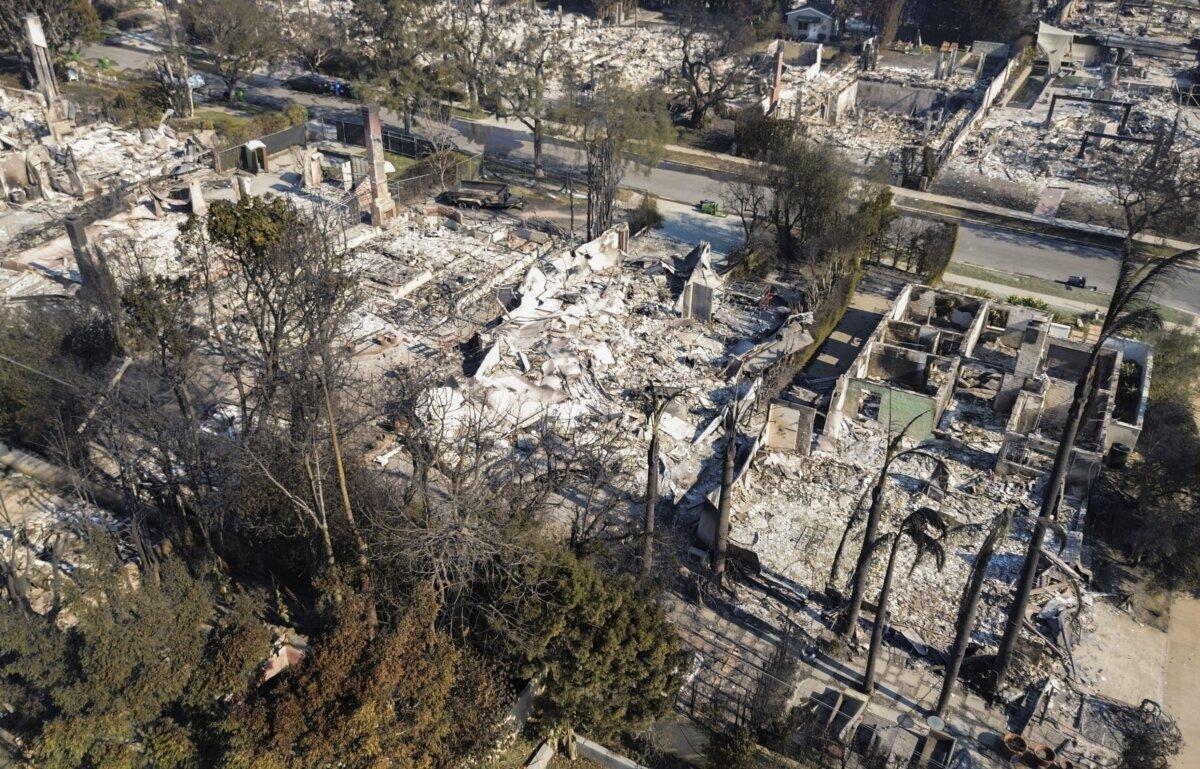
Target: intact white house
{"x":810,"y":22}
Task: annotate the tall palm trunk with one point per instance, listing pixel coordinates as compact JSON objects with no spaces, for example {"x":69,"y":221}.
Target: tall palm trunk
{"x":862,"y":566}
{"x":885,"y":595}
{"x":1051,"y":497}
{"x":831,"y":582}
{"x":969,"y":608}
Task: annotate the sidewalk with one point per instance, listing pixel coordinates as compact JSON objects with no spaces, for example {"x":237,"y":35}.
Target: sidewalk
{"x":1004,"y":292}
{"x":916,"y":196}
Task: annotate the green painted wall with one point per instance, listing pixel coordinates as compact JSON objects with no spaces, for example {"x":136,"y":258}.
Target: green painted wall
{"x":898,"y":406}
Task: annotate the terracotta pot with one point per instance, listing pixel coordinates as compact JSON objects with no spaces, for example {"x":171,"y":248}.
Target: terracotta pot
{"x":1062,"y":762}
{"x":1014,"y":745}
{"x":1042,"y":755}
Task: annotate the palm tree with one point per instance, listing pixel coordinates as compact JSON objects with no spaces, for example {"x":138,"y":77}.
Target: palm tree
{"x":970,"y":605}
{"x":849,"y":619}
{"x":916,"y":528}
{"x":1129,"y":312}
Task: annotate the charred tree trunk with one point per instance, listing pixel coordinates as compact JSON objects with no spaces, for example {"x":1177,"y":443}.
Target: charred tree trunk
{"x":968,"y":609}
{"x":1051,"y":498}
{"x":891,"y":23}
{"x":849,"y":620}
{"x":539,"y":136}
{"x":885,"y":595}
{"x":651,"y":498}
{"x":831,"y":583}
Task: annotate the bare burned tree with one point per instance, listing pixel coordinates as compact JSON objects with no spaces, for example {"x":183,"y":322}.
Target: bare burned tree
{"x":523,"y":92}
{"x":588,"y":464}
{"x":618,"y":127}
{"x":469,"y":33}
{"x":277,"y":292}
{"x":748,"y":197}
{"x":444,"y":158}
{"x":473,"y":481}
{"x":709,"y":45}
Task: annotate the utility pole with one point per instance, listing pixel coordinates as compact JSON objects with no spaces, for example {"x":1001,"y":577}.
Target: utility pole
{"x":571,"y":198}
{"x":658,"y":399}
{"x":725,"y":501}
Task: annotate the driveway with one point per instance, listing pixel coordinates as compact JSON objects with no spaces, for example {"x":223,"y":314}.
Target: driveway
{"x":1183,"y":676}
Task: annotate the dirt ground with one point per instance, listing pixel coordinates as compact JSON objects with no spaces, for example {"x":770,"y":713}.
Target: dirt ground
{"x":1124,"y":658}
{"x":1183,"y":676}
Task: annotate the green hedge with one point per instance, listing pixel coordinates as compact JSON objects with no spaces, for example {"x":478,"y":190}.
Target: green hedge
{"x":825,"y":319}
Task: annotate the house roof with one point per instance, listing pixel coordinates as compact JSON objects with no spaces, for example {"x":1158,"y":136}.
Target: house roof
{"x":823,"y":9}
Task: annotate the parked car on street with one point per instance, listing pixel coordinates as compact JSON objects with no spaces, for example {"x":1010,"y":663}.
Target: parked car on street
{"x":319,"y":84}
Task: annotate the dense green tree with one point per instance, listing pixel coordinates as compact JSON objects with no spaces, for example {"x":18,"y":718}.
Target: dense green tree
{"x":241,"y":35}
{"x":396,"y":37}
{"x":612,"y":661}
{"x":810,"y":190}
{"x":130,"y":682}
{"x":46,"y":368}
{"x":1152,"y":511}
{"x":734,"y":748}
{"x":67,"y":24}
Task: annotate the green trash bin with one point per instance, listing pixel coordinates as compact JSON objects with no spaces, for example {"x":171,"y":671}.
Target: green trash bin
{"x":708,"y":207}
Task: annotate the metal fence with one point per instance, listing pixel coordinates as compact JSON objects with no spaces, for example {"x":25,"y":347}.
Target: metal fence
{"x":414,"y":187}
{"x":395,"y":140}
{"x":234,"y":157}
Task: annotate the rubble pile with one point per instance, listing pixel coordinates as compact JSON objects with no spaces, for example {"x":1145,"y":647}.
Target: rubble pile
{"x":798,"y":510}
{"x":1017,"y":145}
{"x":36,"y":522}
{"x":50,"y":166}
{"x":869,"y":136}
{"x":583,"y":331}
{"x":640,"y":55}
{"x":108,"y":154}
{"x":1135,"y":55}
{"x":21,"y":119}
{"x":1169,"y":22}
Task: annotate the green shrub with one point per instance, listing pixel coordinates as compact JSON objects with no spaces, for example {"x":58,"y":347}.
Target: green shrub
{"x":1029,"y":301}
{"x":758,"y":136}
{"x":645,"y":215}
{"x":732,"y":749}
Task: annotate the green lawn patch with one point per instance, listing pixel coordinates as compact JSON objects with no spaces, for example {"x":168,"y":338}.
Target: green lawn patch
{"x":1043,"y":287}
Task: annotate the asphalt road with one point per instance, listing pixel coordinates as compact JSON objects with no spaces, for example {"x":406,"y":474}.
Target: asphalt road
{"x":1055,"y":259}
{"x":981,"y":245}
